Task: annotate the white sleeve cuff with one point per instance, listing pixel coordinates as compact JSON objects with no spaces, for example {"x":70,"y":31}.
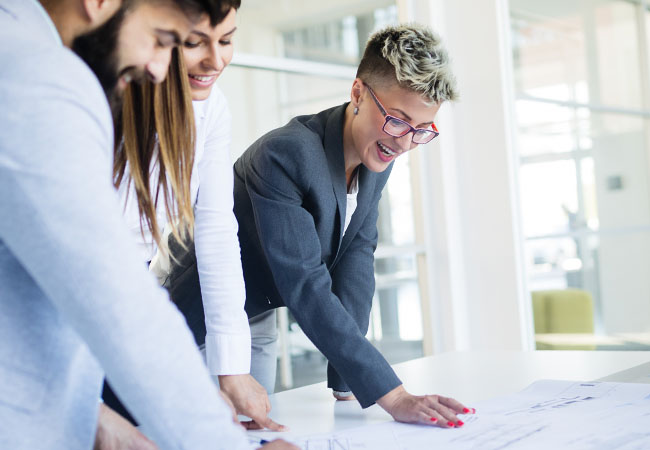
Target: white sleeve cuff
{"x":228,"y":354}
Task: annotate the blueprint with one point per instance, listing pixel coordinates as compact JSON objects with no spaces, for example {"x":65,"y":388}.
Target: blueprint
{"x":547,"y":414}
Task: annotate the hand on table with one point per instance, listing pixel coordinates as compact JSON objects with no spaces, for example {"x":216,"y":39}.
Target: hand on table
{"x":250,"y":399}
{"x":114,"y":432}
{"x":423,"y":409}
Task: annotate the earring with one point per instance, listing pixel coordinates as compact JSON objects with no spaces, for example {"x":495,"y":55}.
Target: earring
{"x":356,"y":110}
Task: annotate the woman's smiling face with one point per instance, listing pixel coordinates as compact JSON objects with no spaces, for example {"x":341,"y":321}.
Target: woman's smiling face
{"x":373,"y":147}
{"x":207,"y":51}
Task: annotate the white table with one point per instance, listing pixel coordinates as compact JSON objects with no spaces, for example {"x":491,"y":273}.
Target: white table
{"x":466,"y":376}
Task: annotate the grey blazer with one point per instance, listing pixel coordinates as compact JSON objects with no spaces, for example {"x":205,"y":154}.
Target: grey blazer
{"x":290,"y":200}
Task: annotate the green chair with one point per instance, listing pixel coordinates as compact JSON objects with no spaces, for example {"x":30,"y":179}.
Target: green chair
{"x":564,"y":312}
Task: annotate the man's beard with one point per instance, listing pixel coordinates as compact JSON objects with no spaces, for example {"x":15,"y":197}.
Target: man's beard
{"x":98,"y":48}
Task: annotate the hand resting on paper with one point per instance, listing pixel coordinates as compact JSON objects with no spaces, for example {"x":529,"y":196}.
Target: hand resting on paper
{"x":249,"y":399}
{"x":423,"y":409}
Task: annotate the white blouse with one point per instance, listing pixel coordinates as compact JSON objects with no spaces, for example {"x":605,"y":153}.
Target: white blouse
{"x":228,"y":341}
{"x":351,"y":204}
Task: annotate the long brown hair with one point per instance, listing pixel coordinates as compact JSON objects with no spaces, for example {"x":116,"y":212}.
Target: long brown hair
{"x":157,"y":124}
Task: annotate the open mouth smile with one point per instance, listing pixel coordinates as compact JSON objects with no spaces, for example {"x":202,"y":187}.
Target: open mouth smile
{"x":202,"y":80}
{"x":385,"y":153}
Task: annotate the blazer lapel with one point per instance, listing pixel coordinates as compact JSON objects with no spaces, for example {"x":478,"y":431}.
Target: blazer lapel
{"x":333,"y":145}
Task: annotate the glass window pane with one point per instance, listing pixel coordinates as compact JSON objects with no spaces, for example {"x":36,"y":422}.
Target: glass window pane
{"x":397,"y":314}
{"x":589,"y":194}
{"x":396,"y":226}
{"x":621,"y":170}
{"x":549,"y":51}
{"x":273,"y":98}
{"x":586,"y":52}
{"x":618,"y":72}
{"x":548,"y":197}
{"x":608,"y":188}
{"x":403,"y":267}
{"x":397,"y":322}
{"x":550,"y":263}
{"x":585,"y":173}
{"x":624,"y":260}
{"x":545,"y":128}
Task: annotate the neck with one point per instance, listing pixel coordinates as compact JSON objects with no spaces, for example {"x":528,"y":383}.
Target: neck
{"x":66,"y":21}
{"x":350,"y":155}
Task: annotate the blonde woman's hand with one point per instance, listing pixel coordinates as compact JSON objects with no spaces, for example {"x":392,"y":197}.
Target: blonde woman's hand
{"x":423,"y":409}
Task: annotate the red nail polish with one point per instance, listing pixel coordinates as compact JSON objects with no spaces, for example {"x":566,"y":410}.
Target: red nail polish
{"x":460,"y":423}
{"x":450,"y":424}
{"x":433,"y":419}
{"x":466,"y":410}
{"x":473,"y":410}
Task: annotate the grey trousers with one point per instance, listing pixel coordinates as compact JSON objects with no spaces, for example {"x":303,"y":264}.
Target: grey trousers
{"x":264,"y":337}
{"x":264,"y":349}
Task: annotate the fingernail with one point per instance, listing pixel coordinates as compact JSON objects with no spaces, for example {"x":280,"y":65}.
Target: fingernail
{"x":473,"y":410}
{"x":466,"y":410}
{"x":450,"y":424}
{"x":460,"y":423}
{"x":433,"y":419}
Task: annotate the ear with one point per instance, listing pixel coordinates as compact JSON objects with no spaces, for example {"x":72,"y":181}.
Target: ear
{"x":99,"y":11}
{"x":357,"y":90}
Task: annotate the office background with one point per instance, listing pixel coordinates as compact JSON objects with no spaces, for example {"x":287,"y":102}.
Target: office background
{"x":538,"y":181}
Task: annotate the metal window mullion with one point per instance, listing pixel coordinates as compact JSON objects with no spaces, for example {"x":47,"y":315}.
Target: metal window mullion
{"x":296,"y":66}
{"x":586,"y":231}
{"x":595,"y":107}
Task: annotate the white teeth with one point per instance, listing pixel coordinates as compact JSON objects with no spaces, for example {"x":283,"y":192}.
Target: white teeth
{"x":385,"y":150}
{"x":203,"y":79}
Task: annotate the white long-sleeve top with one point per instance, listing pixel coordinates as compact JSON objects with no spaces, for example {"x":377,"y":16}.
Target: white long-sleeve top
{"x":215,"y":238}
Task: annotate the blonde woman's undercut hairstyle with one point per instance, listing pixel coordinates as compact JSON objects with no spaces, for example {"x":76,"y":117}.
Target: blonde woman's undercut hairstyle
{"x":412,"y":55}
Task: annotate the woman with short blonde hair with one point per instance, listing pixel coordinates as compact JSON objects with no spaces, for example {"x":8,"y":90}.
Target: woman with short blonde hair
{"x":306,"y":198}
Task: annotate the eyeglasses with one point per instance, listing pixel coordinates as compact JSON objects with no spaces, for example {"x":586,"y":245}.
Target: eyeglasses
{"x":397,"y":127}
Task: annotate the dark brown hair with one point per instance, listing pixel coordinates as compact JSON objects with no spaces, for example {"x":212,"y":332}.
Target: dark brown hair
{"x":217,"y":10}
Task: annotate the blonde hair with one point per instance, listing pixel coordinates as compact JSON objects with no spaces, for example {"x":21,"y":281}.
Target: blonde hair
{"x":157,"y":121}
{"x":414,"y":57}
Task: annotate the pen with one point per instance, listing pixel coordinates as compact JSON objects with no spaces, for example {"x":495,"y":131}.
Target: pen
{"x":258,"y":441}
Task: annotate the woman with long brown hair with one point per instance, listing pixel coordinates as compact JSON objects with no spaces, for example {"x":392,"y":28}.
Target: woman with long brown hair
{"x":153,"y":159}
{"x":173,"y":170}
